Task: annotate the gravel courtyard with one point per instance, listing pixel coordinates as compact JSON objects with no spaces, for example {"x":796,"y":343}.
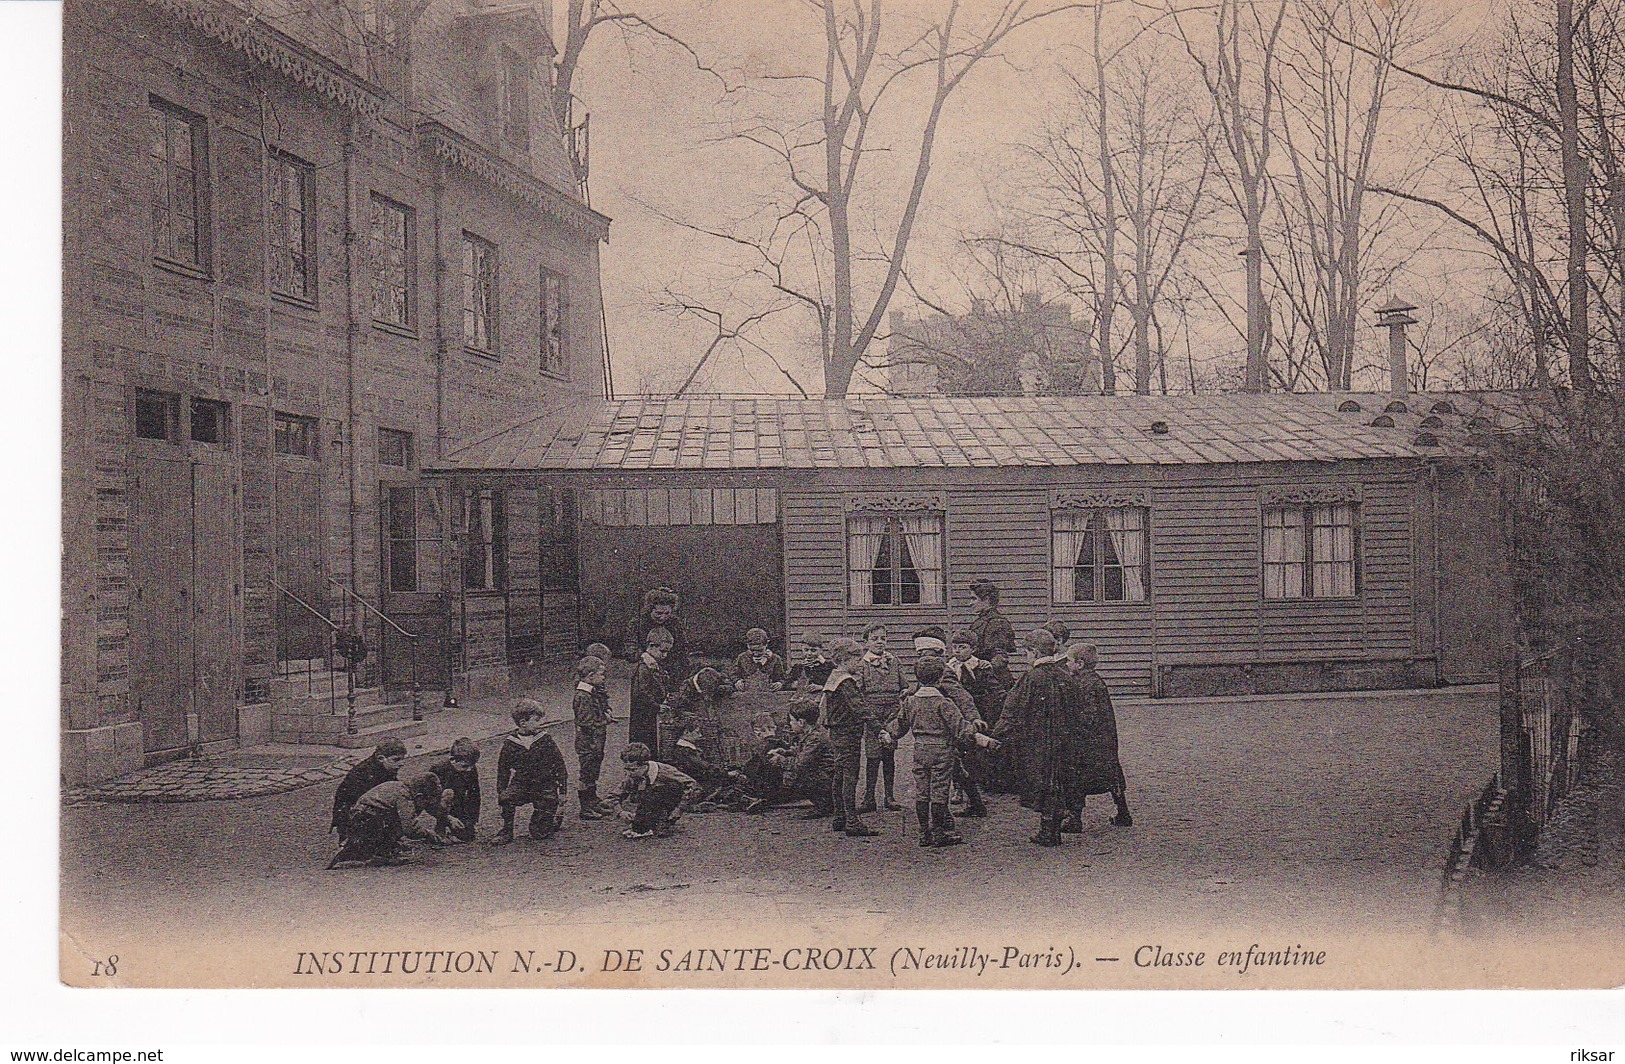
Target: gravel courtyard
{"x":1306,"y":816}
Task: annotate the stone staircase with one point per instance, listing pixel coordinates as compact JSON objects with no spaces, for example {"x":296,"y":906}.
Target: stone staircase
{"x":310,"y":705}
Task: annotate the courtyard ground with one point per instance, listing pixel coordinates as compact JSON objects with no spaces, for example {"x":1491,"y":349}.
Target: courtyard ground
{"x":1297,"y":820}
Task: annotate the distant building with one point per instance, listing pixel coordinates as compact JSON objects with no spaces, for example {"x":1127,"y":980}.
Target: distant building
{"x":1035,"y":349}
{"x":307,"y":248}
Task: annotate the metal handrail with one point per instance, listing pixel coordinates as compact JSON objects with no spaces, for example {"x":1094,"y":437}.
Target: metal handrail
{"x":374,"y":610}
{"x":313,"y":611}
{"x":411,"y":642}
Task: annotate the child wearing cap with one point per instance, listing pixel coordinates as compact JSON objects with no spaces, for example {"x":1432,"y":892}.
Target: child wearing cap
{"x":759,"y":668}
{"x":938,"y":725}
{"x":530,"y":771}
{"x":591,"y":707}
{"x":460,"y":783}
{"x":655,"y":794}
{"x":381,"y":766}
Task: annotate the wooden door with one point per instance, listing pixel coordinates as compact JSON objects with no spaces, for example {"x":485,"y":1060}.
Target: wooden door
{"x":1474,"y":586}
{"x":214,"y":610}
{"x":412,"y":576}
{"x":160,"y":529}
{"x":299,"y":635}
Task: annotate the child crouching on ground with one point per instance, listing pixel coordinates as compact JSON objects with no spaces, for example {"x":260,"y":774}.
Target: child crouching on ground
{"x":717,"y":785}
{"x":382,"y":818}
{"x":530,"y":771}
{"x":655,"y":795}
{"x":460,"y":790}
{"x":381,"y":766}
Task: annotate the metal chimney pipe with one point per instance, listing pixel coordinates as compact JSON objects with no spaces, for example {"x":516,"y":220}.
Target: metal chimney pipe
{"x":1395,"y":317}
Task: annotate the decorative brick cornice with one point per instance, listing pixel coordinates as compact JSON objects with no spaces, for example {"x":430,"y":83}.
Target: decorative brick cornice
{"x":452,"y":146}
{"x":277,"y":50}
{"x":1312,"y":494}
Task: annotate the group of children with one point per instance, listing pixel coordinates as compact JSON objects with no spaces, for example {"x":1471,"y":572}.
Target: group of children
{"x":854,"y":701}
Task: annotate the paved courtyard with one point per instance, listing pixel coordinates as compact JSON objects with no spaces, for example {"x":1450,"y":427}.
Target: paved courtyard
{"x":1319,"y":815}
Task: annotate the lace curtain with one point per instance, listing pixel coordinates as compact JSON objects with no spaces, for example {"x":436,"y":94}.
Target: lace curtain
{"x":864,"y":538}
{"x":922,"y":534}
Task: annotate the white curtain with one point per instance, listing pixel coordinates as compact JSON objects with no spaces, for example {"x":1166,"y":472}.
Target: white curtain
{"x":1126,"y":525}
{"x":1334,"y":551}
{"x":923,"y":535}
{"x":864,"y":538}
{"x":1071,"y":535}
{"x":1283,"y":553}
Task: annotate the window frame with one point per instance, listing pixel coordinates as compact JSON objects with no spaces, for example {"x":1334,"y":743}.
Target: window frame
{"x":515,"y":104}
{"x":172,"y":414}
{"x":222,"y":408}
{"x":393,"y":542}
{"x":1098,"y":528}
{"x":892,"y":551}
{"x":473,"y":274}
{"x":408,"y":449}
{"x":554,"y":324}
{"x":164,"y":250}
{"x":312,"y":427}
{"x":283,"y":164}
{"x":1307,"y":582}
{"x":380,"y":205}
{"x":493,"y":544}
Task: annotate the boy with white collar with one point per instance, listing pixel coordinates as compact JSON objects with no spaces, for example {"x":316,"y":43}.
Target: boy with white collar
{"x":530,"y":771}
{"x":880,"y":679}
{"x":655,"y":794}
{"x":591,"y":707}
{"x":759,"y":668}
{"x":651,"y":687}
{"x":938,"y":724}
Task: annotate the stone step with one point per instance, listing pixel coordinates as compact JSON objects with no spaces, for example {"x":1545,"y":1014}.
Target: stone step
{"x":332,"y":729}
{"x":299,"y":702}
{"x":366,"y":738}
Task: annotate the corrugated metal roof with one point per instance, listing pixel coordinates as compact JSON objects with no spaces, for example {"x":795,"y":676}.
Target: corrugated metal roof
{"x":862,"y":432}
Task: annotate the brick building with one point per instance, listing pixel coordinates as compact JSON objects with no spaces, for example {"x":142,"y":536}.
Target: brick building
{"x":307,"y":248}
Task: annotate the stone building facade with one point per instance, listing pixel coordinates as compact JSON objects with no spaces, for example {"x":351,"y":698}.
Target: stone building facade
{"x":306,"y":248}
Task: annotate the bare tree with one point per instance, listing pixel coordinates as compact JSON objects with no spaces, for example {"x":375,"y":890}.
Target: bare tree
{"x":1234,"y":45}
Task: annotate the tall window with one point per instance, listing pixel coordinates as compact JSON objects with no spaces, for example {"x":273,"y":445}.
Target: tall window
{"x":179,"y":161}
{"x":1309,"y":551}
{"x":894,"y":560}
{"x":393,"y":253}
{"x":479,"y":294}
{"x":293,"y":238}
{"x":553,"y":306}
{"x":395,"y":448}
{"x":515,"y":99}
{"x":412,"y":543}
{"x":157,"y":415}
{"x":1098,"y":555}
{"x":211,"y":422}
{"x":485,"y":533}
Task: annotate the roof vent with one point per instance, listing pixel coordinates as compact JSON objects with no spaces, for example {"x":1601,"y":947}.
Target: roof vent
{"x":1443,"y":406}
{"x":1433,"y":421}
{"x":1426,"y":439}
{"x":1348,"y":406}
{"x":1396,"y":407}
{"x":1382,"y":421}
{"x":1479,"y":423}
{"x":1159,"y":428}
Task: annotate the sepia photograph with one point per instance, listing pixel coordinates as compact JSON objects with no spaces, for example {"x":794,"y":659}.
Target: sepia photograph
{"x":842,"y":494}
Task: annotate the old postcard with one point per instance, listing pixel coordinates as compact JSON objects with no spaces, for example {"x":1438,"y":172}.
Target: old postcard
{"x":843,"y":494}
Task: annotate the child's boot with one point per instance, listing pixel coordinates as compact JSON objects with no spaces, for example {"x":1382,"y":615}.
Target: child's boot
{"x":505,"y":836}
{"x":1049,"y":832}
{"x":974,"y":806}
{"x":1122,"y":819}
{"x":589,"y":806}
{"x":945,"y":835}
{"x":922,"y":811}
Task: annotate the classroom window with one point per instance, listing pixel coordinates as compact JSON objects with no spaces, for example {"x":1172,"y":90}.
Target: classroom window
{"x":393,"y":253}
{"x":484,"y":541}
{"x":640,"y":507}
{"x":1098,"y":555}
{"x":157,"y":415}
{"x":894,"y":560}
{"x":516,"y":99}
{"x":178,"y":157}
{"x":412,"y":542}
{"x":479,"y":294}
{"x":295,"y":436}
{"x":211,"y":422}
{"x":395,"y":448}
{"x":558,"y":539}
{"x":293,"y":237}
{"x":553,"y":307}
{"x":1309,"y":551}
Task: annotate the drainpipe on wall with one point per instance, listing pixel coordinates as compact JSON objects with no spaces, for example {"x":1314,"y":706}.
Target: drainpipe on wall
{"x":352,"y":340}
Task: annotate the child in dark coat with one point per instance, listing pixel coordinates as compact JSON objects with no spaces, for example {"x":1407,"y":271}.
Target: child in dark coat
{"x":655,"y":795}
{"x":460,"y":783}
{"x":530,"y":771}
{"x":809,"y":766}
{"x":381,"y":766}
{"x":716,"y":783}
{"x":651,"y":686}
{"x":380,"y":820}
{"x":591,"y":707}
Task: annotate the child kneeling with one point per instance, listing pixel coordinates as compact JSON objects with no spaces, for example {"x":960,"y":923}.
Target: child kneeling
{"x":655,"y":795}
{"x":381,"y":819}
{"x":530,"y":771}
